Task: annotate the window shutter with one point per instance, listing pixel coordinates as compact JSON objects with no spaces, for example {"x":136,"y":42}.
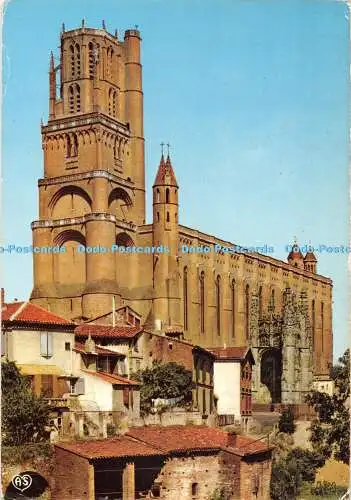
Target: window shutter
{"x":80,"y":387}
{"x":126,"y":396}
{"x":43,"y":343}
{"x":3,"y":344}
{"x":50,"y":344}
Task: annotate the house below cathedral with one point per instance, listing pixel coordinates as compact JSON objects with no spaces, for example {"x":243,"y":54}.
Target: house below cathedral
{"x":92,"y":212}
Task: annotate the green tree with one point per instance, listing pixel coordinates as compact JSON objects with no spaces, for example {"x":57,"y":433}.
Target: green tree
{"x":164,"y":381}
{"x":24,"y":415}
{"x":330,"y":431}
{"x":290,"y":471}
{"x":286,"y":422}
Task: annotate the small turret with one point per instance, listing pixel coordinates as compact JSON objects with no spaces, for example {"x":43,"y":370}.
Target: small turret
{"x":295,"y":257}
{"x":166,"y":234}
{"x":310,"y":262}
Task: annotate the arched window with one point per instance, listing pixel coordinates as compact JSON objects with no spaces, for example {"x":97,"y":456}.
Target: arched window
{"x":194,"y":489}
{"x":167,"y":195}
{"x":74,"y":98}
{"x":260,"y":305}
{"x":218,"y":304}
{"x":202,"y":302}
{"x":114,"y":104}
{"x":313,"y":321}
{"x":158,"y":216}
{"x":273,"y":300}
{"x":71,"y":99}
{"x":185,"y":297}
{"x":157,"y":195}
{"x":71,"y":52}
{"x":77,"y":98}
{"x":167,"y":218}
{"x":233,"y":307}
{"x":77,"y":60}
{"x":68,"y":146}
{"x":247,"y":311}
{"x":74,"y":148}
{"x":322,"y":326}
{"x":91,"y":51}
{"x":74,"y":51}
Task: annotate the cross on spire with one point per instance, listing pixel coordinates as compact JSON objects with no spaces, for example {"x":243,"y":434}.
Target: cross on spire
{"x":168,"y":147}
{"x":162,"y":146}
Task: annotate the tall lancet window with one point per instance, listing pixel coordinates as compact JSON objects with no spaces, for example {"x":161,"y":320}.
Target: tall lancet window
{"x":260,"y":304}
{"x":322,"y":326}
{"x":218,"y":304}
{"x":247,"y":311}
{"x":185,"y":297}
{"x":273,"y":300}
{"x":202,"y":302}
{"x":233,"y":307}
{"x":313,"y":321}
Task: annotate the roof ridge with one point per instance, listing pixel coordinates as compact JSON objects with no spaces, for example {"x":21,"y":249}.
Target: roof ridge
{"x":20,"y":309}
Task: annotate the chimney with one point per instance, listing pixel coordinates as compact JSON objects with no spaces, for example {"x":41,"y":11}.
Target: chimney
{"x":2,"y":296}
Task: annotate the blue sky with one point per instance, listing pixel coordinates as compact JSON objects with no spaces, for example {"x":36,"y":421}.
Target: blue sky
{"x":252,"y":95}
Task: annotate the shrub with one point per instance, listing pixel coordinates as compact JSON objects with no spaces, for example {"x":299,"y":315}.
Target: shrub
{"x":323,"y":489}
{"x":286,"y":422}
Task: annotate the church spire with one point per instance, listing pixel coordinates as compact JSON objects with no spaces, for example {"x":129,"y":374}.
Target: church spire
{"x":165,"y":173}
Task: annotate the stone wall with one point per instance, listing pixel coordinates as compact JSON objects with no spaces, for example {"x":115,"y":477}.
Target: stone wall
{"x":74,"y":477}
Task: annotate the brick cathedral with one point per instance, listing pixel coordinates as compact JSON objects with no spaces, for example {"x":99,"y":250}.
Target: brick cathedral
{"x":93,"y":194}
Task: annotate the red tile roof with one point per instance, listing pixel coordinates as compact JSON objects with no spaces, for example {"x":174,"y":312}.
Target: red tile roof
{"x":79,"y":347}
{"x":247,"y":446}
{"x":112,"y":378}
{"x":238,"y":353}
{"x":25,"y":312}
{"x":119,"y":331}
{"x":156,"y":440}
{"x":180,"y":438}
{"x":109,"y":448}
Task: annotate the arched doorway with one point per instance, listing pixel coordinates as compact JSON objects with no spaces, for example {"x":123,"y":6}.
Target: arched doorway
{"x":271,"y":373}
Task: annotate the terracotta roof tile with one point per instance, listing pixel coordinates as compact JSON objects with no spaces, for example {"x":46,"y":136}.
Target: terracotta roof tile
{"x":79,"y":347}
{"x":118,"y":331}
{"x":156,"y":440}
{"x":110,"y":448}
{"x":112,"y":378}
{"x":246,"y":445}
{"x":180,"y":438}
{"x":31,"y":313}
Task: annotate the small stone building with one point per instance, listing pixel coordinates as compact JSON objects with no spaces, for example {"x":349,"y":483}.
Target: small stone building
{"x":163,"y":462}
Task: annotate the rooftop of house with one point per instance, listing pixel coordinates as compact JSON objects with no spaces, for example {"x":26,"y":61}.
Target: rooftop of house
{"x":27,"y":313}
{"x":232,"y":353}
{"x":113,"y":378}
{"x":157,"y":440}
{"x":102,"y":351}
{"x":107,"y":331}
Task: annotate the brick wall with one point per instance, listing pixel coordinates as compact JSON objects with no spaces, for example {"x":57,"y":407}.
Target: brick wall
{"x":255,"y":476}
{"x":180,"y":474}
{"x":74,"y":477}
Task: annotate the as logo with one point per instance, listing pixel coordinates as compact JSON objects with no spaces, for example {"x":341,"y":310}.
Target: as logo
{"x":22,"y":482}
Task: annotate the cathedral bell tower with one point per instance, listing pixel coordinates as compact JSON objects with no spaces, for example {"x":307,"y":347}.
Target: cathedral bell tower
{"x":92,"y":194}
{"x":166,"y":302}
